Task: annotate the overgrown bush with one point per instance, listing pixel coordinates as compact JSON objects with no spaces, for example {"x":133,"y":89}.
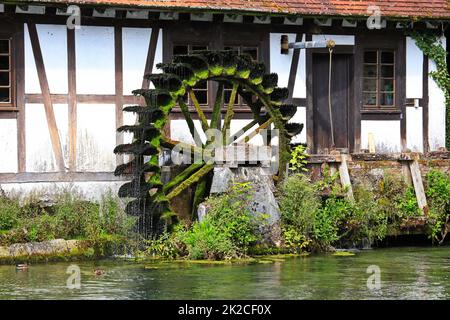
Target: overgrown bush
{"x":438,"y":196}
{"x":321,"y":214}
{"x":228,"y":230}
{"x":206,"y":240}
{"x":69,"y":217}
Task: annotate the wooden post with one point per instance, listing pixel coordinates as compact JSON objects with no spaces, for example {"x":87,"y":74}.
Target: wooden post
{"x":345,"y":176}
{"x":418,"y":186}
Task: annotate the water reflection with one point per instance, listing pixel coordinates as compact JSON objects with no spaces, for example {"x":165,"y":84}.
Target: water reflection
{"x":406,"y":273}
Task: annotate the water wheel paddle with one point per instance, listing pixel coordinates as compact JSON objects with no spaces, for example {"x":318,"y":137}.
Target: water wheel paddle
{"x":245,"y":78}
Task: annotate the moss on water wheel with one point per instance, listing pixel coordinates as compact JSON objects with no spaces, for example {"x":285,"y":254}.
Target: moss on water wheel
{"x":246,"y":78}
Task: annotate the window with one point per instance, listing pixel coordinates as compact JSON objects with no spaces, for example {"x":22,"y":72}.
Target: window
{"x":6,"y":72}
{"x":201,"y":89}
{"x":379,"y":79}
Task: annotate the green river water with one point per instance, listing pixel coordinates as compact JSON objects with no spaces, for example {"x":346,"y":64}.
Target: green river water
{"x":406,"y":273}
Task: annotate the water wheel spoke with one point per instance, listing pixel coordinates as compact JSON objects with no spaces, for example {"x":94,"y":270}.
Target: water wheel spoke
{"x":199,"y":110}
{"x":254,"y":133}
{"x":196,"y":177}
{"x":230,"y":112}
{"x":232,"y":138}
{"x":182,"y":176}
{"x":170,"y":144}
{"x":187,"y":116}
{"x":215,"y":117}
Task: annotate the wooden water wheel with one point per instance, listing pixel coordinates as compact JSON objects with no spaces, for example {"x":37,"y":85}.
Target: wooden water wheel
{"x":246,"y":78}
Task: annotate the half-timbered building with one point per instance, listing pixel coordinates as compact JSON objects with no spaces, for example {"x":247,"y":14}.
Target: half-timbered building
{"x":63,"y":84}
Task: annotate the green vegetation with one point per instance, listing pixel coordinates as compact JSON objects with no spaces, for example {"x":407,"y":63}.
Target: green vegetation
{"x":314,"y":221}
{"x":228,"y":230}
{"x":68,"y":217}
{"x":438,"y":195}
{"x":298,"y":159}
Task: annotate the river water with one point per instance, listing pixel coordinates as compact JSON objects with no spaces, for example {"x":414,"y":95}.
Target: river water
{"x":405,"y":273}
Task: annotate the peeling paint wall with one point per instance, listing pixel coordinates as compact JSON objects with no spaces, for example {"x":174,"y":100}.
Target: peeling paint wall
{"x":386,"y":134}
{"x":96,"y":137}
{"x":92,"y":190}
{"x":8,"y":145}
{"x":39,"y":152}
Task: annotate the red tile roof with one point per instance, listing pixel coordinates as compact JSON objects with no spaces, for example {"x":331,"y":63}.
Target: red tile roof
{"x":433,"y":9}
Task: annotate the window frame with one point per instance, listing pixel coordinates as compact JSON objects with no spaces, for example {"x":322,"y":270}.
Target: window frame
{"x":12,"y":104}
{"x":396,"y":41}
{"x":379,"y":78}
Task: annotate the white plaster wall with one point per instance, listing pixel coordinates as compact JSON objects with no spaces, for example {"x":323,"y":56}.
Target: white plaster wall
{"x":158,"y":52}
{"x":8,"y":145}
{"x":300,"y":78}
{"x":414,"y":70}
{"x":31,"y":76}
{"x":135,"y":49}
{"x":39,"y":151}
{"x":414,"y":129}
{"x":300,"y":117}
{"x":91,"y":190}
{"x":179,"y":131}
{"x":53,"y":41}
{"x":436,"y":111}
{"x":95,"y":60}
{"x":386,"y":135}
{"x":129,"y":118}
{"x":96,"y":137}
{"x":280,"y":63}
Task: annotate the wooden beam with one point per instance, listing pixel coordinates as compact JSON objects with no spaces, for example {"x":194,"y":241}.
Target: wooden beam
{"x":150,"y":56}
{"x":82,"y":98}
{"x":294,"y":68}
{"x":401,"y":89}
{"x":119,"y":87}
{"x":418,"y":186}
{"x":425,"y":99}
{"x":20,"y":97}
{"x":60,"y":177}
{"x":309,"y":100}
{"x":72,"y":99}
{"x":48,"y":106}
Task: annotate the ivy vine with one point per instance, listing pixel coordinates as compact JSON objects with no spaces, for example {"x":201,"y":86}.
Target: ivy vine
{"x":431,"y":46}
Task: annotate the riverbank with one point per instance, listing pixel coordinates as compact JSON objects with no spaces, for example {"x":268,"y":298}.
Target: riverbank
{"x":406,"y":273}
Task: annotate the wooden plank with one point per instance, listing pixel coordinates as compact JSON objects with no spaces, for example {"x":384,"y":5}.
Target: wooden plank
{"x":72,"y":99}
{"x":118,"y":87}
{"x":345,"y":177}
{"x":48,"y":106}
{"x":60,"y":177}
{"x":20,"y":97}
{"x":418,"y":186}
{"x":150,"y":56}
